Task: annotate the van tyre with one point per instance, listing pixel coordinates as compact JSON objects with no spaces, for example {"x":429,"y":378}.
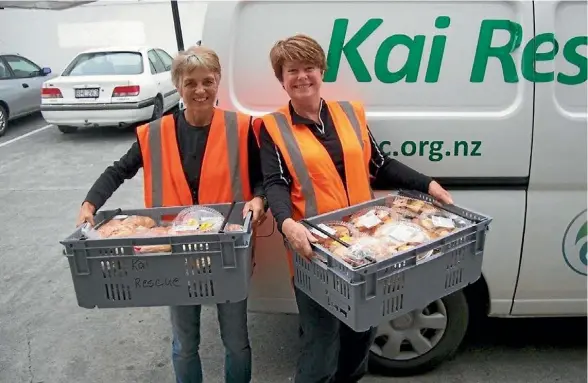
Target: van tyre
{"x":439,"y":338}
{"x":67,"y":129}
{"x":3,"y":120}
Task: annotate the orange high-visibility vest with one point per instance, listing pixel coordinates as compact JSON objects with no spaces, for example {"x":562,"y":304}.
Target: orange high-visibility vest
{"x":225,"y":170}
{"x":316,"y":186}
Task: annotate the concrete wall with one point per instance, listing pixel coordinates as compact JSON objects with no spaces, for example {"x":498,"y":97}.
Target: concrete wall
{"x":53,"y":38}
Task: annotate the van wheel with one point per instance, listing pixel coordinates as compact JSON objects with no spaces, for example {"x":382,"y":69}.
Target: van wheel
{"x":3,"y":120}
{"x":67,"y":129}
{"x":421,"y":340}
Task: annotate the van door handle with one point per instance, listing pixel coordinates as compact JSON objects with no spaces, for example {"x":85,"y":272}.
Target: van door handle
{"x":25,"y":85}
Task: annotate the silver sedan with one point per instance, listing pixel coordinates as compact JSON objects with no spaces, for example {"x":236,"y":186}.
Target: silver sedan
{"x":20,"y":87}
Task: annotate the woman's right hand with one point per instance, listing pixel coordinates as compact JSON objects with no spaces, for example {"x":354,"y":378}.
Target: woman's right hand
{"x":299,"y":237}
{"x":86,"y":214}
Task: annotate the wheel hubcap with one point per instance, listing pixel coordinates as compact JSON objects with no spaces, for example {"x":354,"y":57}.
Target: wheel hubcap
{"x":2,"y":121}
{"x":412,"y":334}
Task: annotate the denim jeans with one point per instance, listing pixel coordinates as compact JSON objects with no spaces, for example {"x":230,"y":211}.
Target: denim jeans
{"x":232,"y":318}
{"x":331,"y":351}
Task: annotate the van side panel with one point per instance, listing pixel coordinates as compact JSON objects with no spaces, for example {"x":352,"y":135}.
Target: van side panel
{"x":442,"y":86}
{"x":553,"y":271}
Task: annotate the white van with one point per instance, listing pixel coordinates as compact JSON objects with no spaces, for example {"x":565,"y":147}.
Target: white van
{"x":488,"y":97}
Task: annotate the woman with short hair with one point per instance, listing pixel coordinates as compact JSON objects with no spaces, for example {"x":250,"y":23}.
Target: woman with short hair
{"x":318,"y":156}
{"x":200,"y":155}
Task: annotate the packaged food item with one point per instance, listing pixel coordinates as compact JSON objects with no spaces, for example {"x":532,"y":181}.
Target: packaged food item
{"x":369,"y":249}
{"x":410,"y":206}
{"x":108,"y":228}
{"x":340,"y":230}
{"x":121,"y":226}
{"x":367,"y":220}
{"x":234,"y":227}
{"x":157,"y":231}
{"x":121,"y":231}
{"x":402,"y":233}
{"x":405,"y":236}
{"x":441,"y":223}
{"x":137,"y":220}
{"x":405,"y":214}
{"x":197,"y":220}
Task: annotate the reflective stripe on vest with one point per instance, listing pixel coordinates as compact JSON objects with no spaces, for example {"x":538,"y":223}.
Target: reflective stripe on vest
{"x":232,"y":132}
{"x":156,"y":163}
{"x":310,"y":208}
{"x":350,"y":113}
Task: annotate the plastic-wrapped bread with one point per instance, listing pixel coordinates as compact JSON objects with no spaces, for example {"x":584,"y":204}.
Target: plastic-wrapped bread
{"x":234,"y":227}
{"x":402,"y":233}
{"x":367,"y":249}
{"x":367,"y":220}
{"x":410,"y":207}
{"x":137,"y":220}
{"x":157,"y":231}
{"x":121,"y":231}
{"x":440,"y":223}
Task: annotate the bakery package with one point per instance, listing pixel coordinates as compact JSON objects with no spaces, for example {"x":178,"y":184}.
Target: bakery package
{"x":197,"y":220}
{"x":343,"y":231}
{"x":121,"y":226}
{"x":156,"y":231}
{"x":368,"y":249}
{"x":409,"y":208}
{"x":403,"y":236}
{"x":441,"y":223}
{"x":368,"y":220}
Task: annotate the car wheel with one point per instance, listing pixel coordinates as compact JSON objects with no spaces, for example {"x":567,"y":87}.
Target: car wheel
{"x":3,"y":120}
{"x":157,"y":108}
{"x":421,"y":340}
{"x":67,"y":129}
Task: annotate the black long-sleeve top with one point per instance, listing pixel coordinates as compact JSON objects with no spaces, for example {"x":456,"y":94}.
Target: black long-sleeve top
{"x":387,"y":173}
{"x":191,"y":143}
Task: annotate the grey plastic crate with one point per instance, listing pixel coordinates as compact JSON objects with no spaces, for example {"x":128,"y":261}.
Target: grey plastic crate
{"x":366,"y":296}
{"x":200,"y":269}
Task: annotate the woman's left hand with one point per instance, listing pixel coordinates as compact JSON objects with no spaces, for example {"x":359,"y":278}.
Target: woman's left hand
{"x":256,"y":205}
{"x":436,"y":191}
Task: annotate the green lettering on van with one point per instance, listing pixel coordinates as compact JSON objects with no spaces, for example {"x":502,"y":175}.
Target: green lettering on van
{"x":573,"y":57}
{"x":531,"y":56}
{"x":409,"y":71}
{"x":337,"y":47}
{"x":533,"y":52}
{"x":484,"y":50}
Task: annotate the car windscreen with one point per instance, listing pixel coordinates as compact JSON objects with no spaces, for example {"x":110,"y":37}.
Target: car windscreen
{"x":105,"y":63}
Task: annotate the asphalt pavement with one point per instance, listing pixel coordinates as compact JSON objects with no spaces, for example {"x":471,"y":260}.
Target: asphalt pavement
{"x":45,"y":337}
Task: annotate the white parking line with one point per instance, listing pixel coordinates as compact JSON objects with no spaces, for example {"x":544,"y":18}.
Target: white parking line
{"x":26,"y":135}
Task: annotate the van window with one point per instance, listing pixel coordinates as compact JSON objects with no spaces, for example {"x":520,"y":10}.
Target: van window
{"x":106,"y":63}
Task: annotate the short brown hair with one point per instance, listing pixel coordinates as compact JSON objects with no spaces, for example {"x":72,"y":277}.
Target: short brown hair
{"x":299,"y":47}
{"x":193,"y":58}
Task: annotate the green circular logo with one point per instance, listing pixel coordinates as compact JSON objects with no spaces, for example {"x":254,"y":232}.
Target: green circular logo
{"x":575,"y":243}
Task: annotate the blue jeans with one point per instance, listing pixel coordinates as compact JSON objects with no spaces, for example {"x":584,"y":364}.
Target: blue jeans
{"x":232,"y":318}
{"x":331,"y":351}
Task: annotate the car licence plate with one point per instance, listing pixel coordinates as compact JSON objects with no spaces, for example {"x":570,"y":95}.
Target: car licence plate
{"x":88,"y":93}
